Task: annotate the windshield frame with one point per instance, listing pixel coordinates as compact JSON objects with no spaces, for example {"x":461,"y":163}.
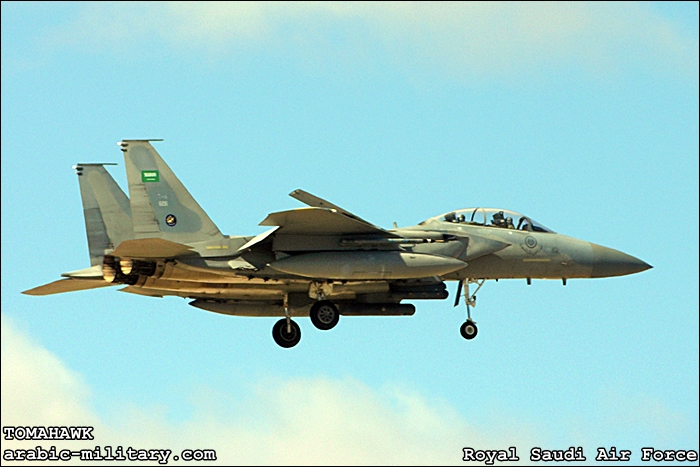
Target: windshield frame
{"x":484,"y":217}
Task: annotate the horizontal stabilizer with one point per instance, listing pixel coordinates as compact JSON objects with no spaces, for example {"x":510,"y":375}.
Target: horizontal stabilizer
{"x":321,"y":221}
{"x":150,"y":248}
{"x":94,"y":272}
{"x":66,"y":285}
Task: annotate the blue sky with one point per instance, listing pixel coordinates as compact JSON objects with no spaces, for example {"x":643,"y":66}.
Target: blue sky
{"x":582,"y":116}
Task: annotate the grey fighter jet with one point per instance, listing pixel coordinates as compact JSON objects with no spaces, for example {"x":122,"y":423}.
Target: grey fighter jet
{"x":319,"y":261}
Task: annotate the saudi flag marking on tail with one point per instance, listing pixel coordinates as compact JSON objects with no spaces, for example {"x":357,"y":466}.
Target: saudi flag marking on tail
{"x":149,"y":176}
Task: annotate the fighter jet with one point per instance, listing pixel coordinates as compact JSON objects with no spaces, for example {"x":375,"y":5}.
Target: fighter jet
{"x":319,"y":261}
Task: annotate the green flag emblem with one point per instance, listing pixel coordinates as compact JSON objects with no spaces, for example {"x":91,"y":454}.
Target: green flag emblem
{"x":149,"y":176}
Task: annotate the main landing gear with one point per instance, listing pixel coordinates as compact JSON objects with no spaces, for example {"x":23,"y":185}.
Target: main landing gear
{"x":468,"y":329}
{"x":286,"y":334}
{"x":324,"y":315}
{"x":285,"y":331}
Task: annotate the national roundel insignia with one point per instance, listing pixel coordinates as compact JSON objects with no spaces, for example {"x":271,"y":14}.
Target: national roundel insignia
{"x":530,"y":242}
{"x":170,"y":220}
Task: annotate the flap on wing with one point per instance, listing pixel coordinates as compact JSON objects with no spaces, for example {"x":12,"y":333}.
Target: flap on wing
{"x":150,"y":248}
{"x":66,"y":285}
{"x":321,"y":221}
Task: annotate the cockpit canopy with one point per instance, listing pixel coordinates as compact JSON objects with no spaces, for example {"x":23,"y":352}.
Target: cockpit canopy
{"x":490,"y":217}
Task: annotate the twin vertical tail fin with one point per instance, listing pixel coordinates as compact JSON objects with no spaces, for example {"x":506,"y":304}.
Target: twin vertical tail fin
{"x":107,"y":223}
{"x":161,"y":206}
{"x":106,"y":208}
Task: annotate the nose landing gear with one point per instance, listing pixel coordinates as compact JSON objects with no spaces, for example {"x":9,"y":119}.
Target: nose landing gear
{"x":469,"y":329}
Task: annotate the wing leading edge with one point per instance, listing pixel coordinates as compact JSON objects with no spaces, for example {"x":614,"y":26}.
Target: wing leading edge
{"x":322,"y":221}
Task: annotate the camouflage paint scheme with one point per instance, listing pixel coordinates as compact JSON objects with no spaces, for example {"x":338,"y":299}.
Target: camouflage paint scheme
{"x":319,"y":261}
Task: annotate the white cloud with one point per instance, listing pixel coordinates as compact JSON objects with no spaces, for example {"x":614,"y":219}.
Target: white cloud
{"x":315,"y":420}
{"x":460,"y":39}
{"x":37,"y":388}
{"x":644,"y":412}
{"x":299,"y":421}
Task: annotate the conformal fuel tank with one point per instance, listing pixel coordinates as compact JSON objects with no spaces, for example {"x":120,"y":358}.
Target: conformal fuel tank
{"x":367,"y":265}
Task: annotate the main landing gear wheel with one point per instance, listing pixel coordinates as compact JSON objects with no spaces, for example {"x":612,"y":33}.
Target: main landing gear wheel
{"x":324,"y":315}
{"x":468,"y":330}
{"x":284,"y":337}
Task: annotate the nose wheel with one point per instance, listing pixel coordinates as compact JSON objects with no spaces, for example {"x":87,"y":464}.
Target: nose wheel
{"x":468,"y":330}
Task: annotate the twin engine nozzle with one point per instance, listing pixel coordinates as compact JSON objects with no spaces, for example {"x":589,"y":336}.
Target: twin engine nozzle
{"x":126,"y":271}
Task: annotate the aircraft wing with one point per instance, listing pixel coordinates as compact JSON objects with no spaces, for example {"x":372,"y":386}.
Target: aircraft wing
{"x":67,"y":285}
{"x":316,"y":202}
{"x":322,"y":221}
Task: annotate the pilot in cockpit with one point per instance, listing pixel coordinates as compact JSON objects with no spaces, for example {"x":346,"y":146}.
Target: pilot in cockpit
{"x":461,"y":218}
{"x":523,"y":224}
{"x":499,"y":219}
{"x":509,"y":223}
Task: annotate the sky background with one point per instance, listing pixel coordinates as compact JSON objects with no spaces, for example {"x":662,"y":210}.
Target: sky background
{"x":582,"y":116}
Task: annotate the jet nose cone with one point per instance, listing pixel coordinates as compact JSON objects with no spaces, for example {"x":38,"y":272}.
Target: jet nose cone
{"x":608,"y":262}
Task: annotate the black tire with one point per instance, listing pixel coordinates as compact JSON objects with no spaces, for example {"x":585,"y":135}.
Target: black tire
{"x":468,"y":330}
{"x":282,"y":337}
{"x":324,"y":315}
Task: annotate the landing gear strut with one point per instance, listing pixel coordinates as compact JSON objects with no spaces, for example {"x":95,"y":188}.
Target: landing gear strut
{"x":469,"y":329}
{"x":285,"y":331}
